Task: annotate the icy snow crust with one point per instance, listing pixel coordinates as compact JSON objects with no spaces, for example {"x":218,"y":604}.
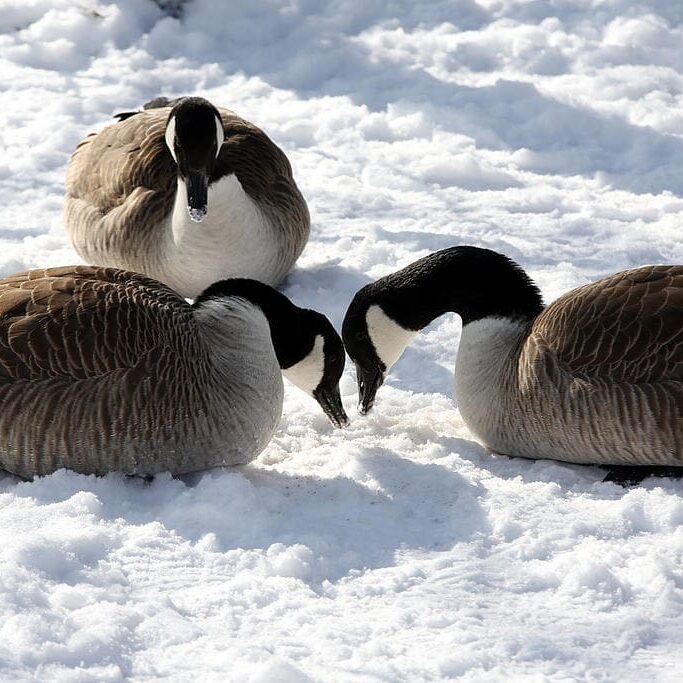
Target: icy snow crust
{"x":397,"y":550}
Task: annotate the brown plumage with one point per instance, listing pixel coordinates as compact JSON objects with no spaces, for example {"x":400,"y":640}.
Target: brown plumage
{"x":122,"y":188}
{"x":625,"y":328}
{"x":76,"y":346}
{"x":599,"y":374}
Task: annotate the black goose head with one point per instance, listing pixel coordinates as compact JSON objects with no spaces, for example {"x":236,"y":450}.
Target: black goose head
{"x":362,"y":348}
{"x":314,"y":361}
{"x":309,"y":350}
{"x":385,"y":315}
{"x":194,"y":135}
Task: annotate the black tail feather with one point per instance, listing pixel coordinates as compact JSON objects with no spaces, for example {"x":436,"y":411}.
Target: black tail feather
{"x":626,"y":475}
{"x":156,"y":103}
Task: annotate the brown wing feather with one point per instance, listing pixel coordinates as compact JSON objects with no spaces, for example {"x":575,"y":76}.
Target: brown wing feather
{"x":131,"y":155}
{"x":261,"y":167}
{"x":627,"y":327}
{"x":249,"y":153}
{"x":85,"y":321}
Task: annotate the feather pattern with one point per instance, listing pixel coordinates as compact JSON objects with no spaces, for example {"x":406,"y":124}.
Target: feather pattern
{"x":597,"y":377}
{"x":122,"y":185}
{"x":626,"y":327}
{"x":103,"y":369}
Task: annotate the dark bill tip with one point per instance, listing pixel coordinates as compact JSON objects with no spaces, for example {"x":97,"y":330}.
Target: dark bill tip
{"x":331,"y":403}
{"x":197,"y":183}
{"x":369,"y":381}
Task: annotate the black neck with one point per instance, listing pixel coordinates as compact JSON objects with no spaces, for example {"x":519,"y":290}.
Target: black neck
{"x":284,"y":318}
{"x":472,"y":282}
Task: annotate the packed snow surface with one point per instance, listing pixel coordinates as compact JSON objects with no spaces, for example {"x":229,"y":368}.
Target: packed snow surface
{"x":398,"y":549}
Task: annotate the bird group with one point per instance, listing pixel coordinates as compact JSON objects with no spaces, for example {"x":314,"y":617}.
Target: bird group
{"x":107,"y":367}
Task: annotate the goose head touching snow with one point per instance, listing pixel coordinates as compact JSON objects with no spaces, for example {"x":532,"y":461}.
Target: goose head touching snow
{"x":385,"y":316}
{"x":596,"y":377}
{"x":187,"y":193}
{"x":309,"y":351}
{"x":106,"y":370}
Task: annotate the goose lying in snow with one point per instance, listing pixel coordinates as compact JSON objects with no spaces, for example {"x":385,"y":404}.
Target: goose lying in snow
{"x":596,"y":377}
{"x":103,"y":369}
{"x":188,"y":194}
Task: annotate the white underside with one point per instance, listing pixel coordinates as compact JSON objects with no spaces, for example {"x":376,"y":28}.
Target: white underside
{"x":234,"y":240}
{"x":485,"y":347}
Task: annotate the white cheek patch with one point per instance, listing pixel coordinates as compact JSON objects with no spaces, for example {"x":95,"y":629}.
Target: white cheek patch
{"x":220,"y":136}
{"x":170,"y":138}
{"x":387,"y":336}
{"x":308,"y":372}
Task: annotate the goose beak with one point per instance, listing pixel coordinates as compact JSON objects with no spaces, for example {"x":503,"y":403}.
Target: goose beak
{"x":331,"y":403}
{"x":197,"y":183}
{"x":368,"y":383}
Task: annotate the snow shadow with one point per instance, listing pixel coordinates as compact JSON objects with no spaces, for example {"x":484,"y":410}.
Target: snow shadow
{"x":400,"y":506}
{"x":555,"y":137}
{"x":574,"y":477}
{"x":327,"y":288}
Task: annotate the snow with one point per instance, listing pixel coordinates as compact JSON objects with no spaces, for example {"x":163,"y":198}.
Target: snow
{"x":397,"y":549}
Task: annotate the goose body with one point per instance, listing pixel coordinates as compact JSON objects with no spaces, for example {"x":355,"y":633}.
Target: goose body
{"x":596,"y":377}
{"x":187,"y":193}
{"x":105,"y":370}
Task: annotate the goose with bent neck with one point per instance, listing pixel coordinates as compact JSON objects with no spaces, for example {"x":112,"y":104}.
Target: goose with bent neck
{"x":106,"y":370}
{"x":596,"y":377}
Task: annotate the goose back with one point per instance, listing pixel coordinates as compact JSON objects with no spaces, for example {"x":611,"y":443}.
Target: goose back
{"x":624,"y":328}
{"x":102,"y":369}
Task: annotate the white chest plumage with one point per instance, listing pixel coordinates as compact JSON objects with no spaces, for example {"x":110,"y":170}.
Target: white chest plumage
{"x":235,"y":239}
{"x":483,"y":355}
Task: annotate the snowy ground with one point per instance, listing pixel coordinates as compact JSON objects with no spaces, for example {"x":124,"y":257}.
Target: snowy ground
{"x":397,"y":550}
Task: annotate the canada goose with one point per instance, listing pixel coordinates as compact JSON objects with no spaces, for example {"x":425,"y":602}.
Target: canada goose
{"x":188,"y":194}
{"x":103,"y":369}
{"x":596,"y":377}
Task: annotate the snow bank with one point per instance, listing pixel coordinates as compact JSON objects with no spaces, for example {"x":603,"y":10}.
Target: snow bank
{"x":398,"y":549}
